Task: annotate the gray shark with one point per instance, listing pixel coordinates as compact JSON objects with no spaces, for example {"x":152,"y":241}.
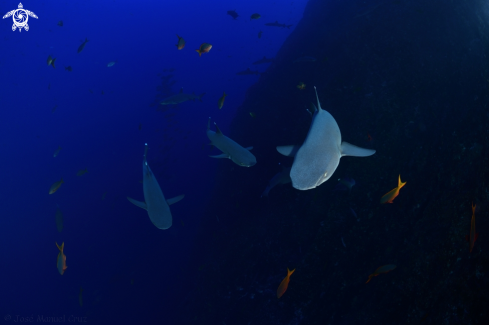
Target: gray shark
{"x":264,"y":60}
{"x":241,"y":156}
{"x":154,"y":201}
{"x":276,"y":24}
{"x":318,"y":157}
{"x":247,"y":71}
{"x":282,"y":177}
{"x":180,"y":98}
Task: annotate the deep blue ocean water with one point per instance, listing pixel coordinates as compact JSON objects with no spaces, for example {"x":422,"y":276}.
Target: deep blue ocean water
{"x":130,"y":271}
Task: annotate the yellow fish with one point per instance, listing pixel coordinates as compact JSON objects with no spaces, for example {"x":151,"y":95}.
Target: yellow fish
{"x":61,"y":260}
{"x":301,"y":85}
{"x":55,"y":186}
{"x":284,"y":284}
{"x":181,"y":43}
{"x":204,"y":48}
{"x":220,"y":103}
{"x":390,"y":196}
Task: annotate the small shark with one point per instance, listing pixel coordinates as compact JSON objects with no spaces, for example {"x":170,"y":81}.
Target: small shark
{"x":264,"y":60}
{"x":318,"y":157}
{"x":241,"y":156}
{"x":233,"y":14}
{"x":247,"y":71}
{"x":154,"y":201}
{"x":276,"y":24}
{"x":282,"y":177}
{"x":180,"y":98}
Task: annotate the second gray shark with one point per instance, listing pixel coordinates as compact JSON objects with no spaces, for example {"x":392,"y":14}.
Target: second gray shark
{"x":241,"y":156}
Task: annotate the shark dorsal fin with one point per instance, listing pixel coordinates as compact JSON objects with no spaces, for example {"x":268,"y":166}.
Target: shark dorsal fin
{"x":319,"y":105}
{"x":218,"y":131}
{"x":181,"y":90}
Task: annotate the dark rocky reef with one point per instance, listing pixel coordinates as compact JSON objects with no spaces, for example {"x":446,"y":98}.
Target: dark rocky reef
{"x":414,"y":76}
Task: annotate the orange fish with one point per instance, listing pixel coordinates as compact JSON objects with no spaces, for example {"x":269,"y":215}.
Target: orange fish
{"x":181,"y":43}
{"x":55,"y":186}
{"x":390,"y":196}
{"x":61,"y":260}
{"x":204,"y":48}
{"x":382,"y":269}
{"x":284,"y":284}
{"x":473,"y":235}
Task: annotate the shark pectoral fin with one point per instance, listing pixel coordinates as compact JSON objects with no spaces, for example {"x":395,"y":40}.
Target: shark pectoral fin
{"x":175,"y":199}
{"x":288,"y":151}
{"x":249,"y":148}
{"x":347,"y":149}
{"x":223,"y":155}
{"x":137,"y":203}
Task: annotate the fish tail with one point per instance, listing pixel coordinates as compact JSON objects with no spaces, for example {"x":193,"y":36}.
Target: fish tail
{"x":52,"y":63}
{"x":200,"y":97}
{"x":198,"y":51}
{"x":289,"y":273}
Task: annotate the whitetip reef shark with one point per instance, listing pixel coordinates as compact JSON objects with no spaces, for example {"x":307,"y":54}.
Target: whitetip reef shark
{"x":154,"y":201}
{"x":318,"y":157}
{"x":241,"y":156}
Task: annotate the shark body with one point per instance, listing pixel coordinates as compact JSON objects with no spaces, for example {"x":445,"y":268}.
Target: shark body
{"x":318,"y":157}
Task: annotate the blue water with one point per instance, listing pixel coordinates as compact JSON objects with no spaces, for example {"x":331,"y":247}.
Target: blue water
{"x":131,"y":272}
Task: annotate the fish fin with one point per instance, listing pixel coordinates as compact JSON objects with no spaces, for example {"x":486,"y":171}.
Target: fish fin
{"x":249,"y":148}
{"x":62,"y":181}
{"x":175,"y":199}
{"x":52,"y":63}
{"x":138,"y":203}
{"x":289,"y":273}
{"x":223,"y":155}
{"x":288,"y":151}
{"x":218,"y":131}
{"x":60,"y":248}
{"x":348,"y":149}
{"x":201,"y":95}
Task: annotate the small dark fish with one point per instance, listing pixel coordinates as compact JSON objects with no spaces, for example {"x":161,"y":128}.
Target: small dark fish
{"x":233,"y":14}
{"x":54,"y":109}
{"x":255,"y":16}
{"x":276,"y":24}
{"x":60,"y":23}
{"x":68,"y":68}
{"x":140,"y":125}
{"x":259,"y":34}
{"x":82,"y":46}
